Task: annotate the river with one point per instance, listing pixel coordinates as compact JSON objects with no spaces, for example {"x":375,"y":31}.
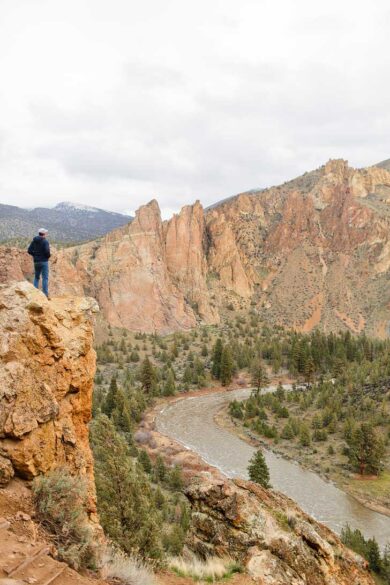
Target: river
{"x":191,"y":422}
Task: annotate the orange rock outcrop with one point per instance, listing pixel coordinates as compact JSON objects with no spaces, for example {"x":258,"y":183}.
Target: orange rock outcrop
{"x":47,"y":366}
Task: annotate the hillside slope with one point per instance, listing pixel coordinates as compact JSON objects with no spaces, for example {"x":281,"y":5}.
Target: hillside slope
{"x":66,"y":222}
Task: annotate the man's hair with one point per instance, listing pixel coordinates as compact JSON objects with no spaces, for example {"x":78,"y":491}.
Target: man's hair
{"x":42,"y":232}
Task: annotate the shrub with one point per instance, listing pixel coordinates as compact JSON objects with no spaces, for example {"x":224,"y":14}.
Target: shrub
{"x":61,"y":503}
{"x":130,"y":570}
{"x":209,"y":570}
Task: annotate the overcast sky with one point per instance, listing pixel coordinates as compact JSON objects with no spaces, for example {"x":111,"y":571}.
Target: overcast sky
{"x":113,"y":102}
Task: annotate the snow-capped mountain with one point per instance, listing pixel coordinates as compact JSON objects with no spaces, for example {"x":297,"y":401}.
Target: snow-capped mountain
{"x":66,"y":222}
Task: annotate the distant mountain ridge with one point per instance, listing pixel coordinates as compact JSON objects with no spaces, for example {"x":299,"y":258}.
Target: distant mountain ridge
{"x":385,"y":164}
{"x":66,"y":222}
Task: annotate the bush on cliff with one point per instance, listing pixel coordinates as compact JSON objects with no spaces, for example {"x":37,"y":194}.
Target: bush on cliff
{"x":126,"y":500}
{"x":61,"y":503}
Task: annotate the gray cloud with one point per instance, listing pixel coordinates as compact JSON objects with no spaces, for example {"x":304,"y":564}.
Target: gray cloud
{"x":113,"y":105}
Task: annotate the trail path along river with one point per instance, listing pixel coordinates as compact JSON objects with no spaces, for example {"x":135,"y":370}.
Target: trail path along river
{"x":191,"y":422}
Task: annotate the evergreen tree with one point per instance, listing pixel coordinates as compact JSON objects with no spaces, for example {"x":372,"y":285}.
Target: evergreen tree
{"x":110,"y":401}
{"x":159,"y":498}
{"x":258,"y":469}
{"x":160,"y":470}
{"x":121,"y":416}
{"x":259,"y":375}
{"x":374,"y":555}
{"x":304,"y":436}
{"x":309,"y":369}
{"x":365,"y":449}
{"x":176,"y":478}
{"x":126,"y":503}
{"x":227,"y":366}
{"x":145,"y":461}
{"x":187,"y":375}
{"x":217,"y":357}
{"x":170,"y":386}
{"x":134,"y":356}
{"x":148,"y":375}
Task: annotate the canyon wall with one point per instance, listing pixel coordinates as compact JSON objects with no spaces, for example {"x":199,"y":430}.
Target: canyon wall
{"x":312,"y":252}
{"x":47,"y":367}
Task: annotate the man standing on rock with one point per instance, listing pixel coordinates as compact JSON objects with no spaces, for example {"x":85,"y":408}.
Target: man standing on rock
{"x":39,"y":249}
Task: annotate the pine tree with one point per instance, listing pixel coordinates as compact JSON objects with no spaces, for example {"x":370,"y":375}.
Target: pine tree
{"x":121,"y":416}
{"x":159,"y":498}
{"x":148,"y":375}
{"x":374,"y":555}
{"x":304,"y":436}
{"x":217,"y":356}
{"x":259,"y":375}
{"x":365,"y":449}
{"x":176,"y":478}
{"x":160,"y":470}
{"x":309,"y":369}
{"x":226,"y":373}
{"x":170,"y":386}
{"x":174,"y":350}
{"x":134,"y":356}
{"x":145,"y":461}
{"x":258,"y":469}
{"x":110,"y":401}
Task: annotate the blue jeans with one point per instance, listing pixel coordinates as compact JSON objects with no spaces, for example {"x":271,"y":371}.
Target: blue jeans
{"x":42,"y":268}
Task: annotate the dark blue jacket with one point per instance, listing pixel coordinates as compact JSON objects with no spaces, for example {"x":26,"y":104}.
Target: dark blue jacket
{"x":39,"y":249}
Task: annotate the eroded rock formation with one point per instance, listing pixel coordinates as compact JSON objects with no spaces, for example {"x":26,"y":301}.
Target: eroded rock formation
{"x":312,"y":252}
{"x":278,"y":543}
{"x":47,"y":366}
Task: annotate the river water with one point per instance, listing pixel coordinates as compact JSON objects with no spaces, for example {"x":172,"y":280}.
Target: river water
{"x":191,"y":422}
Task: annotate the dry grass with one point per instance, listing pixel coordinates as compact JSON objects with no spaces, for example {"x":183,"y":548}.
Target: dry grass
{"x":209,"y":570}
{"x":129,"y":570}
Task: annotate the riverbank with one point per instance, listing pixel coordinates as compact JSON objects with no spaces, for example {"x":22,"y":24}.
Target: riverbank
{"x":223,"y":420}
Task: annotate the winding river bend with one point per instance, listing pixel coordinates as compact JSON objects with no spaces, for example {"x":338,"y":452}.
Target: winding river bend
{"x":191,"y":422}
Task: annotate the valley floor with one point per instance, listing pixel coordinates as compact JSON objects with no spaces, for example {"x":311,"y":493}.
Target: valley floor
{"x":372,"y":492}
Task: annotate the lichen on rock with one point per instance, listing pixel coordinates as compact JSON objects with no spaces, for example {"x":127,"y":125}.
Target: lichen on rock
{"x":267,"y":532}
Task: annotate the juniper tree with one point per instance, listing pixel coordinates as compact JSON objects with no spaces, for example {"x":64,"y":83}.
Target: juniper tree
{"x":148,"y":375}
{"x":126,"y":503}
{"x":145,"y":461}
{"x":170,"y":386}
{"x":226,"y":372}
{"x":120,"y":415}
{"x":110,"y":400}
{"x":217,"y":356}
{"x":258,"y":469}
{"x":365,"y":449}
{"x":259,"y":375}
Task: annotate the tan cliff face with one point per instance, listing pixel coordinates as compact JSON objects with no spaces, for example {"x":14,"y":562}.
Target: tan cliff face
{"x":127,"y":272}
{"x":47,"y":366}
{"x":314,"y":251}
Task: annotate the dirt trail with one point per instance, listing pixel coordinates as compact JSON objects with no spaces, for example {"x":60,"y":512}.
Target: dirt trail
{"x":25,"y":551}
{"x":27,"y":562}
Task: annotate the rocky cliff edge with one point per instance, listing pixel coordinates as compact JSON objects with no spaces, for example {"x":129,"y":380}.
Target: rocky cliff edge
{"x":265,"y":530}
{"x":47,"y":366}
